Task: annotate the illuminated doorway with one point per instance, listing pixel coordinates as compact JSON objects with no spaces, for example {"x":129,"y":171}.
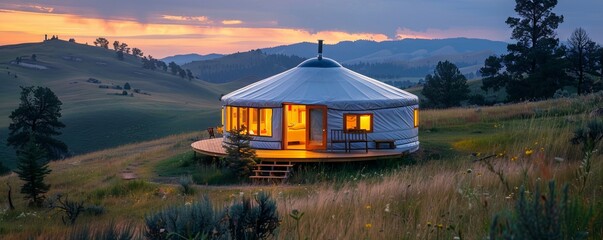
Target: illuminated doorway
{"x":304,"y":126}
{"x":294,"y":126}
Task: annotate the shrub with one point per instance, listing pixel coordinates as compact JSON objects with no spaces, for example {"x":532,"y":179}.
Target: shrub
{"x":185,"y":183}
{"x":253,"y":221}
{"x":200,"y":220}
{"x":70,"y":209}
{"x":589,"y":136}
{"x":127,"y":86}
{"x":197,"y":220}
{"x":544,"y":217}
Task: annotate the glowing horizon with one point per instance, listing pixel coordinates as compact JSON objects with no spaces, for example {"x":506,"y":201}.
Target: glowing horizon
{"x":162,"y":39}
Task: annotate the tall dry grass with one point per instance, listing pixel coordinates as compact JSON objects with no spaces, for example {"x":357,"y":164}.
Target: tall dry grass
{"x":436,"y":199}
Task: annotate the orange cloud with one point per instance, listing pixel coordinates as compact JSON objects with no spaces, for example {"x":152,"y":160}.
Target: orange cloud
{"x":202,"y":19}
{"x":160,"y":40}
{"x":232,"y":22}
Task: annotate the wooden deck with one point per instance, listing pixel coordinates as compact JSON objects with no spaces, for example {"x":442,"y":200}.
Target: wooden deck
{"x":213,"y":147}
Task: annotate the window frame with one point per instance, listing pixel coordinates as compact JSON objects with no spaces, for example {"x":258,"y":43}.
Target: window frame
{"x":345,"y":121}
{"x":237,"y":124}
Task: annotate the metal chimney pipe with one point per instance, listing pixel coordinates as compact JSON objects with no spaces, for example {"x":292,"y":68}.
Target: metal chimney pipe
{"x":319,"y":49}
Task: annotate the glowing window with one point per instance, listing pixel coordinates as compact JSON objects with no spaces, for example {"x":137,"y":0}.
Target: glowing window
{"x":416,"y":114}
{"x":266,"y":122}
{"x":358,"y":121}
{"x":243,"y":119}
{"x":253,"y":121}
{"x":234,"y":117}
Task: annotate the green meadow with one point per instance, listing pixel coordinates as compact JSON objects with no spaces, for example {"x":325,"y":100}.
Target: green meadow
{"x":99,"y":118}
{"x":473,"y":164}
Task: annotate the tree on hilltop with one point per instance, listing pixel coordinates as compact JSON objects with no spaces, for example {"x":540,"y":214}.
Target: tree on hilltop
{"x":37,"y":117}
{"x":137,"y":52}
{"x":115,"y":45}
{"x":447,"y":87}
{"x":102,"y":42}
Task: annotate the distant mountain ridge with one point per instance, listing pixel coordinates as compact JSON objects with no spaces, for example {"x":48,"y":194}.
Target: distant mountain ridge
{"x":351,"y":52}
{"x":400,"y":60}
{"x":187,"y":58}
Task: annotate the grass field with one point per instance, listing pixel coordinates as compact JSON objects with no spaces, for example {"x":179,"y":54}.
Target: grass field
{"x":440,"y":192}
{"x":97,"y":118}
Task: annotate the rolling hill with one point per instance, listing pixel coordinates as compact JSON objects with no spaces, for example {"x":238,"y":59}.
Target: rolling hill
{"x":398,"y":61}
{"x":407,"y":50}
{"x":97,"y":118}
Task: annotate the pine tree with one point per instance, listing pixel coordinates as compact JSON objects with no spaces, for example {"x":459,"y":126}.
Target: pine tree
{"x":447,"y":87}
{"x":37,"y":117}
{"x":240,"y":156}
{"x":32,"y":168}
{"x":533,"y":67}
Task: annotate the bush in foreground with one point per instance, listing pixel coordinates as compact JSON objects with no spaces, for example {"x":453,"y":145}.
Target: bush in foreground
{"x":201,"y":220}
{"x":544,"y":216}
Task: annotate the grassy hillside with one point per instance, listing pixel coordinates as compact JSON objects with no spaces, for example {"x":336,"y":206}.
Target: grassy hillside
{"x":440,"y":192}
{"x":97,"y":118}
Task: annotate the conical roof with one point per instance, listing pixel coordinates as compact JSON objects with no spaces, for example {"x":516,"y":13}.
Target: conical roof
{"x":321,"y":81}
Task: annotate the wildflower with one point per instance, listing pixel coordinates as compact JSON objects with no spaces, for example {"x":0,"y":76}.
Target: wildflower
{"x":387,"y":207}
{"x":469,"y":170}
{"x":241,"y":194}
{"x":558,"y":159}
{"x":368,"y":226}
{"x":368,"y":207}
{"x":500,"y":155}
{"x":529,"y":152}
{"x":514,"y":158}
{"x":440,"y":226}
{"x":428,"y":224}
{"x":479,"y":174}
{"x":542,"y":149}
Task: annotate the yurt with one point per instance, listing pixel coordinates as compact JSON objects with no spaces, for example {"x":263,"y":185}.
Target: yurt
{"x":307,"y":107}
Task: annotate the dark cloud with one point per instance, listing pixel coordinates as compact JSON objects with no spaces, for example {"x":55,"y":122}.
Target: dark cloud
{"x":374,"y":16}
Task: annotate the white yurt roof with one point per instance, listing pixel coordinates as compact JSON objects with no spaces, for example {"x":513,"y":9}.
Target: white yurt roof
{"x":321,"y":81}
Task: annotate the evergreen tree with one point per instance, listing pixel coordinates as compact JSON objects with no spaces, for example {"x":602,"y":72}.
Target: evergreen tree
{"x":32,"y":168}
{"x":583,"y":57}
{"x":37,"y":117}
{"x":534,"y":65}
{"x":447,"y":87}
{"x":240,"y":156}
{"x":127,"y":86}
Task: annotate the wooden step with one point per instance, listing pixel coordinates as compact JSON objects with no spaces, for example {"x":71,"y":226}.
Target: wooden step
{"x":273,"y":165}
{"x":269,"y":177}
{"x":271,"y":171}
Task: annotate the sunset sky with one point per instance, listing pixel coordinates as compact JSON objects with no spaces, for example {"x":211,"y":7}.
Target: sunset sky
{"x":162,"y":28}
